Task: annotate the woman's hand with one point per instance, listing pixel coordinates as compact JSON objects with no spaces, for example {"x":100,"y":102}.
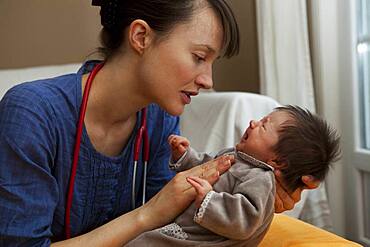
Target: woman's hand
{"x":285,"y":200}
{"x":177,"y":195}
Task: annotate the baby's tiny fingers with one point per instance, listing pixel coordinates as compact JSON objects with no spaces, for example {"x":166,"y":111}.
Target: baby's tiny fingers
{"x":195,"y":184}
{"x":201,"y":181}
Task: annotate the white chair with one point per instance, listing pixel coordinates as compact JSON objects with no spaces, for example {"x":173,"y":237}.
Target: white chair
{"x":12,"y":77}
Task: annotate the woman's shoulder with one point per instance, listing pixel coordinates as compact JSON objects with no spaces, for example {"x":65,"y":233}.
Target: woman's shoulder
{"x":43,"y":87}
{"x":41,"y":99}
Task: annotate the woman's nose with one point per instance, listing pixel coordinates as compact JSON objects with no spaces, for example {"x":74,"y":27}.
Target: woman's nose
{"x":205,"y":80}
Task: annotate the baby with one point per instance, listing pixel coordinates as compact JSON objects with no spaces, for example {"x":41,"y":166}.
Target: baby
{"x":239,"y":208}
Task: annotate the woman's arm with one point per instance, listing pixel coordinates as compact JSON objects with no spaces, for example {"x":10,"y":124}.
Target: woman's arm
{"x":172,"y":199}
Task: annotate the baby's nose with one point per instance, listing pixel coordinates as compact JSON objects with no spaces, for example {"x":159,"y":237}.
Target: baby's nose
{"x":253,"y":124}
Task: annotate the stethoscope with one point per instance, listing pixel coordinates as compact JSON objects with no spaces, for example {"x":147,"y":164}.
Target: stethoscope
{"x":141,"y":136}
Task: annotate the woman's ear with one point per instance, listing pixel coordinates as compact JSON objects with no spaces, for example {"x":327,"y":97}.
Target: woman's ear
{"x":140,"y":35}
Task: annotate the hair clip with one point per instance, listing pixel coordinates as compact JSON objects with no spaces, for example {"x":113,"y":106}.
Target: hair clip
{"x":96,"y":2}
{"x":108,"y":11}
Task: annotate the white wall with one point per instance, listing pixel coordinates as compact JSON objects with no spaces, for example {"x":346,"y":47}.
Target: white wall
{"x":40,"y":32}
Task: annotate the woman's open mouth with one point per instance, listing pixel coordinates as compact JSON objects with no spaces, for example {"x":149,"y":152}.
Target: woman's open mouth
{"x":186,"y":96}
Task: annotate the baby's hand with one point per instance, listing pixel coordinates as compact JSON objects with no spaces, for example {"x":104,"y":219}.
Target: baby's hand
{"x":178,"y":144}
{"x":201,"y":186}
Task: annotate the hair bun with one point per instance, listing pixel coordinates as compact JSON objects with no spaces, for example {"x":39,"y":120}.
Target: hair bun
{"x":108,"y":12}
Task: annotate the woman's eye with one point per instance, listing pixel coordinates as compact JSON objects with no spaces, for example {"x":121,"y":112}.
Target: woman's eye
{"x":199,"y":58}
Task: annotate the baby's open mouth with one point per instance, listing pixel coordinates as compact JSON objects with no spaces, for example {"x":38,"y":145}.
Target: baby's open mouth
{"x":245,"y":136}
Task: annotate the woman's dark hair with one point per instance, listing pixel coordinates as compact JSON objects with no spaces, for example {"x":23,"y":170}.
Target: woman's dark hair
{"x":161,"y":16}
{"x":307,"y":145}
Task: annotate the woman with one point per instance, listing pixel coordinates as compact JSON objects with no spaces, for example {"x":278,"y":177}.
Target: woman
{"x":157,"y":55}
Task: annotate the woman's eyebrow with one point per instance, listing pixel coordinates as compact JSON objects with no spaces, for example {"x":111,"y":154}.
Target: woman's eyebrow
{"x":208,"y":47}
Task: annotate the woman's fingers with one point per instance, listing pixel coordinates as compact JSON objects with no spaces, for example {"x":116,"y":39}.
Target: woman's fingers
{"x":285,"y":202}
{"x":214,"y":177}
{"x":220,"y":165}
{"x":209,"y":169}
{"x":310,"y":182}
{"x":279,"y":207}
{"x":172,"y":199}
{"x":283,"y":199}
{"x":224,"y":163}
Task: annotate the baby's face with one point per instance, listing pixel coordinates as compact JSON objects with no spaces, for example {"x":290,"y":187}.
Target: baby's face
{"x":261,"y":136}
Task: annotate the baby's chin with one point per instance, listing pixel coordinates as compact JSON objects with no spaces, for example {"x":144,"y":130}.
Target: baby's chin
{"x":239,"y":147}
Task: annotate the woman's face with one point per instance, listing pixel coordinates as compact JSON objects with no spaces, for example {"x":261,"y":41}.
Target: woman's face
{"x":175,"y":68}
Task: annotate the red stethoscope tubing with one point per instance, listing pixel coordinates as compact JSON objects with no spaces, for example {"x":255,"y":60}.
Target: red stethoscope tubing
{"x":142,"y":135}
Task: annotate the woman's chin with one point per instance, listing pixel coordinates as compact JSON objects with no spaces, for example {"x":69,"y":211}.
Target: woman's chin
{"x":175,"y":110}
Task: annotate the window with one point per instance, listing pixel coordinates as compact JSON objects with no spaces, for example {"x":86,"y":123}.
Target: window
{"x":361,"y":149}
{"x":363,"y":57}
{"x":342,"y":29}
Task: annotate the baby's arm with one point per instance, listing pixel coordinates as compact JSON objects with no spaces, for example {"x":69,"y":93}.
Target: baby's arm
{"x":178,"y":145}
{"x":183,"y":156}
{"x":246,"y":211}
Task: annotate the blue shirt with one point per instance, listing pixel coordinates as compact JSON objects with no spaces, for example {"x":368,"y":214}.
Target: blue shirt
{"x":37,"y":133}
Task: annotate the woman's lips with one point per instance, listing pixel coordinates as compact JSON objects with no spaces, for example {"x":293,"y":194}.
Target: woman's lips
{"x":185,"y":98}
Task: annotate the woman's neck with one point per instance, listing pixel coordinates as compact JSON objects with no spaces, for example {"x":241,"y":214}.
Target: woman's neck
{"x":114,"y":96}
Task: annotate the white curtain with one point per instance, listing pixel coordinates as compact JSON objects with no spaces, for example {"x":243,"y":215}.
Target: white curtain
{"x":286,"y":75}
